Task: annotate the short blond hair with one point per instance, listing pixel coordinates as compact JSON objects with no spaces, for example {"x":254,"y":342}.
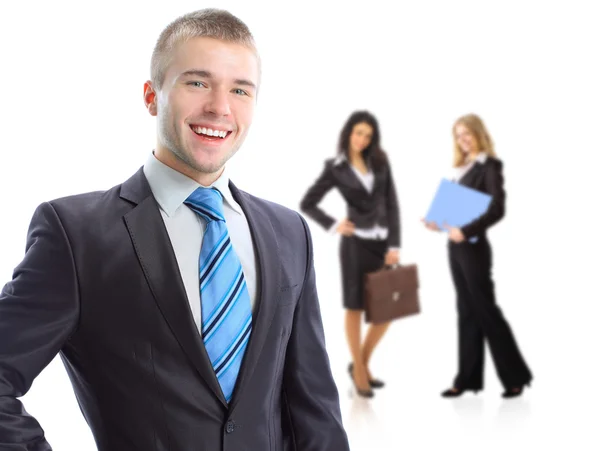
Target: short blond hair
{"x":211,"y":23}
{"x":476,"y":126}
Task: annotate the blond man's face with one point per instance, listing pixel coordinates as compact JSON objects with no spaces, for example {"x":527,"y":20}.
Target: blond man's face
{"x":206,"y":103}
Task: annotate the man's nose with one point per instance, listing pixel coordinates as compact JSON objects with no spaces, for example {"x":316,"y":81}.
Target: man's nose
{"x":218,"y":103}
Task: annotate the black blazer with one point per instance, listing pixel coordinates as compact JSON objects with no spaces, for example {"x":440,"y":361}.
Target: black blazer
{"x":100,"y":285}
{"x":364,"y":209}
{"x":487,"y":178}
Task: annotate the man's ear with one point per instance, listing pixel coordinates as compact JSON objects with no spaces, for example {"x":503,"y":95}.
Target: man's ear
{"x":150,"y":98}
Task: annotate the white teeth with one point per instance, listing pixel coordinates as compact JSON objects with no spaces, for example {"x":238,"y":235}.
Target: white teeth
{"x":210,"y":132}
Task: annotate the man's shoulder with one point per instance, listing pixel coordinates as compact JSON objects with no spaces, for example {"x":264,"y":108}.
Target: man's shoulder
{"x":89,"y":207}
{"x":277,"y":213}
{"x":135,"y":189}
{"x":266,"y":205}
{"x":86,"y":199}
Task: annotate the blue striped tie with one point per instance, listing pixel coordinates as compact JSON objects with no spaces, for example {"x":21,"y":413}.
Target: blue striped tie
{"x":226,"y":312}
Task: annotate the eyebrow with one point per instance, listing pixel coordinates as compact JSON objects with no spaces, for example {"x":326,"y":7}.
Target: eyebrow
{"x":207,"y":74}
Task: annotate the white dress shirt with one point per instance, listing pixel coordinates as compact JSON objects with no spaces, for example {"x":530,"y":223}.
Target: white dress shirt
{"x":460,"y":171}
{"x":186,"y":228}
{"x":376,"y":232}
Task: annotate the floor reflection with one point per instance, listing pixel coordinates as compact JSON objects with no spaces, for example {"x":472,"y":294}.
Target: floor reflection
{"x":468,"y":406}
{"x":513,"y":412}
{"x":361,"y":409}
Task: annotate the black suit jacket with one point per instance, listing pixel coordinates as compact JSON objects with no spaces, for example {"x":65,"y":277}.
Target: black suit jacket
{"x":487,"y":178}
{"x":364,"y":209}
{"x":100,"y":285}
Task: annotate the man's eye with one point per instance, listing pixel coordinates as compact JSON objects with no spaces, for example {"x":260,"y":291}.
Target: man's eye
{"x":196,"y":84}
{"x":240,"y":92}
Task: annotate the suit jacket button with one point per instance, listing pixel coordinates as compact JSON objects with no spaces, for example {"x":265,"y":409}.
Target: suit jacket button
{"x":230,"y":427}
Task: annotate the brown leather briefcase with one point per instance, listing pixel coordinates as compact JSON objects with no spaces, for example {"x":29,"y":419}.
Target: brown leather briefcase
{"x":391,"y":293}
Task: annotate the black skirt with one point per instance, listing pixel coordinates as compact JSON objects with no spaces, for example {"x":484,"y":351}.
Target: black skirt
{"x":358,"y":257}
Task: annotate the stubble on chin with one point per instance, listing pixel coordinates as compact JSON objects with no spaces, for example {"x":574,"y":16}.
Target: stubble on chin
{"x":174,"y":144}
{"x":202,"y":167}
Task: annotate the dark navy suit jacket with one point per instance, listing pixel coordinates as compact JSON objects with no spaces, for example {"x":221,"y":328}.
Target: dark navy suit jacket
{"x":100,"y":285}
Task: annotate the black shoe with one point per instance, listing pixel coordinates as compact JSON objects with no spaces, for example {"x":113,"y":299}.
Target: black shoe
{"x":455,"y":392}
{"x":514,"y":392}
{"x":374,"y":383}
{"x":452,"y":393}
{"x":363,"y":393}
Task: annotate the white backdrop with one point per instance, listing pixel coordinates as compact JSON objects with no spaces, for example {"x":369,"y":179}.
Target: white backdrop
{"x":73,"y":120}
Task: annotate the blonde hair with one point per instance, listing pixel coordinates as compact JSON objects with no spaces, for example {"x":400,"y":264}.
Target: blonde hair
{"x":477,"y":127}
{"x":210,"y":23}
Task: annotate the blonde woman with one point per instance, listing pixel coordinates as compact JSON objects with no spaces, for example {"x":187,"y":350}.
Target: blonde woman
{"x":470,"y":254}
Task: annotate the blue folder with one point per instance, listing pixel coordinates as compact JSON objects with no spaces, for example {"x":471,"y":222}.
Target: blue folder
{"x":456,"y":205}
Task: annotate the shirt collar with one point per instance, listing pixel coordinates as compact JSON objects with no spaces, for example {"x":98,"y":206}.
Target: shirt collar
{"x":171,"y":188}
{"x":480,"y":158}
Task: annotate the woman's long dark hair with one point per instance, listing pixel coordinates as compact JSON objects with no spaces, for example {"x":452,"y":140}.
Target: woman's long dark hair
{"x":373,"y":153}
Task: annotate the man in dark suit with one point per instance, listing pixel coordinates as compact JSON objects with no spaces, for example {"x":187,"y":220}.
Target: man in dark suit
{"x":184,"y":309}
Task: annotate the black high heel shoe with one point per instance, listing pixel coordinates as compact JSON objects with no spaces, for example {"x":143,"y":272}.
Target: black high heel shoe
{"x":515,"y":391}
{"x":374,"y":383}
{"x":455,"y":392}
{"x":363,"y":393}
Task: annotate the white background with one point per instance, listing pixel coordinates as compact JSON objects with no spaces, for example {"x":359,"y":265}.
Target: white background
{"x":73,"y":120}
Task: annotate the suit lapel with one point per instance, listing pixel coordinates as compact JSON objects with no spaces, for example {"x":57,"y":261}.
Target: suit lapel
{"x":157,"y":259}
{"x":471,"y":176}
{"x":268,"y":271}
{"x":378,"y":179}
{"x":352,"y":178}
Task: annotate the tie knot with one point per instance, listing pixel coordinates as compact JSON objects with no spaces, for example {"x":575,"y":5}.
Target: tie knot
{"x":207,"y":202}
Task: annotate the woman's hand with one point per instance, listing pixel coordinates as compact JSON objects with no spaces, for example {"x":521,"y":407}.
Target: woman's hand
{"x":346,"y":228}
{"x":392,"y":257}
{"x":455,"y":234}
{"x":431,"y":225}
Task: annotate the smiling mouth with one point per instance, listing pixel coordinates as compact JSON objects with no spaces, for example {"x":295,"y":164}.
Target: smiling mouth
{"x":209,"y":132}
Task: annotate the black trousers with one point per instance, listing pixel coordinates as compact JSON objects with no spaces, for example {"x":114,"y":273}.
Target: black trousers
{"x":480,"y":319}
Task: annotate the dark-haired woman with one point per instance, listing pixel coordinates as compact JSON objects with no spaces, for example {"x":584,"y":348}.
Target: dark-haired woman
{"x":370,"y":233}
